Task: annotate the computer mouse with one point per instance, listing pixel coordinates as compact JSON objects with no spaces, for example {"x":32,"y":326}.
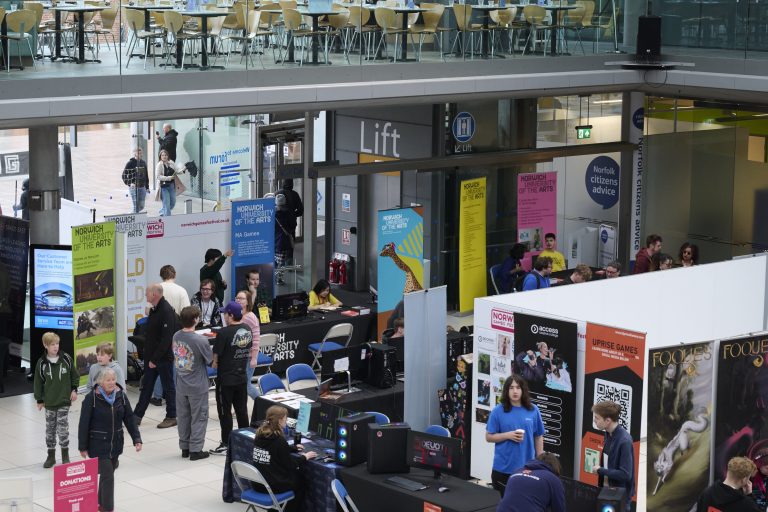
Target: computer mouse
{"x":443,"y":489}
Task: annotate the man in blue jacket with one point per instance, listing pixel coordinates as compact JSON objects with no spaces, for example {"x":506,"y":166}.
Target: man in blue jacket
{"x":536,"y":487}
{"x":617,"y":449}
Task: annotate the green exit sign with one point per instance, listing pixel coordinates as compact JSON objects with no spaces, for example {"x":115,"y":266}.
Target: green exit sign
{"x":584,"y":132}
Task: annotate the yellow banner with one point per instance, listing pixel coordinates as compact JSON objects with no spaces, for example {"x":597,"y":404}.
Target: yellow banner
{"x":472,"y":271}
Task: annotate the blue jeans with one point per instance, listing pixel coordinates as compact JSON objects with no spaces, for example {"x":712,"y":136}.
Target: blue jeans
{"x":165,"y":372}
{"x":138,"y":197}
{"x":253,"y":391}
{"x":157,"y":391}
{"x":168,"y":197}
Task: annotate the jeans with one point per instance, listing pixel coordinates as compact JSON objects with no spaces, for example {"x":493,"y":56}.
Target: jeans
{"x":253,"y":391}
{"x":168,"y":197}
{"x":157,"y":391}
{"x":138,"y":197}
{"x":162,"y":370}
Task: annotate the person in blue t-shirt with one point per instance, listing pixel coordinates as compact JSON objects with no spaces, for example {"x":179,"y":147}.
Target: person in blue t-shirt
{"x":539,"y":277}
{"x":516,"y":428}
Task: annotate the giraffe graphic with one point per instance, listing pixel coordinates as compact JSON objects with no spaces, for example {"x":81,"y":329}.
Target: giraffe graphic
{"x":411,"y":281}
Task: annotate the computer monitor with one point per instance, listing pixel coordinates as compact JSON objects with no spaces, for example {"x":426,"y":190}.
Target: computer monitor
{"x":438,"y":453}
{"x":356,"y":356}
{"x":290,"y":305}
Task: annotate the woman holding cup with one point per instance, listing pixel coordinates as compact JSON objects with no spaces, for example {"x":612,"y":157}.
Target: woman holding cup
{"x":516,"y":429}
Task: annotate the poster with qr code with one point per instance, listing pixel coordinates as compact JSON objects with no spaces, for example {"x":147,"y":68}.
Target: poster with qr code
{"x":545,"y":355}
{"x":741,"y":410}
{"x":679,"y":425}
{"x":613,"y":371}
{"x":76,"y":486}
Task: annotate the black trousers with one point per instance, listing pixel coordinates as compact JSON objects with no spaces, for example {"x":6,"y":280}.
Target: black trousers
{"x":298,"y":488}
{"x":107,"y":469}
{"x":499,"y":481}
{"x":228,"y":397}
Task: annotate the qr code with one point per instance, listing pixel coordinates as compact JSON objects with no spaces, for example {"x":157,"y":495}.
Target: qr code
{"x":615,"y":392}
{"x":76,"y":507}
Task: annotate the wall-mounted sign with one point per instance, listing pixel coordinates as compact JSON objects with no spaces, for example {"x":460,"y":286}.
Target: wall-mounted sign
{"x":602,"y":181}
{"x":346,"y":202}
{"x":346,"y":237}
{"x":463,"y":129}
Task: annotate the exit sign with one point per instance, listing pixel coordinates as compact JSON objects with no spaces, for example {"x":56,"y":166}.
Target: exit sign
{"x":584,"y":132}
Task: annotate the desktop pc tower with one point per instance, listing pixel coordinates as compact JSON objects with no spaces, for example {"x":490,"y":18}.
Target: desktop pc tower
{"x":382,"y":366}
{"x":612,"y":499}
{"x":352,"y":438}
{"x":387,"y":448}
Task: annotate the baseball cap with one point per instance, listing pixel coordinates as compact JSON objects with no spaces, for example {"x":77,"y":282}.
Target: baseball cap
{"x":234,"y":309}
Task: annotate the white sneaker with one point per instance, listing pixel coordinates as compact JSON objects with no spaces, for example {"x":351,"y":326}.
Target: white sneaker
{"x":219,"y":450}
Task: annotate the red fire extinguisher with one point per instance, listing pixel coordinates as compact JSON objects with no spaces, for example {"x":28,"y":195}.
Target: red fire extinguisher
{"x":342,"y":272}
{"x":333,"y":267}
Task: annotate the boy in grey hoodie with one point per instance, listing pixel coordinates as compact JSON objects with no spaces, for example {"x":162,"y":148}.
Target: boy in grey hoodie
{"x":104,"y":353}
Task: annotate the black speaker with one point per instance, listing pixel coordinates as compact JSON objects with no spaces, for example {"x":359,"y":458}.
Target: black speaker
{"x":382,"y":366}
{"x":648,"y":38}
{"x":612,"y":499}
{"x":387,"y":448}
{"x":352,"y":438}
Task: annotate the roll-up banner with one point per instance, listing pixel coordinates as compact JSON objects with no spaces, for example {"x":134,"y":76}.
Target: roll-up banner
{"x":536,"y":211}
{"x":613,"y":370}
{"x":401,"y":261}
{"x":545,"y":355}
{"x":472,"y":269}
{"x":680,"y":382}
{"x":14,"y":258}
{"x":253,"y":241}
{"x":741,"y":413}
{"x":93,"y":275}
{"x":134,"y":225}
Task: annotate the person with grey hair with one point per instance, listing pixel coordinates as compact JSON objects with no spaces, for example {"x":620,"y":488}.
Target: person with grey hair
{"x":158,"y":356}
{"x":100,"y":432}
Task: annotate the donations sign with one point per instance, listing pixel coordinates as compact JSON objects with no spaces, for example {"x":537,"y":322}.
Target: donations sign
{"x":472,"y":269}
{"x":76,"y":486}
{"x":613,"y":370}
{"x":93,"y":273}
{"x":253,"y":243}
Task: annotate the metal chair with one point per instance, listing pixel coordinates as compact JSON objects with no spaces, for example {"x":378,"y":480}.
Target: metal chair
{"x":266,"y":341}
{"x":298,"y":372}
{"x":342,"y":496}
{"x":387,"y":21}
{"x":438,"y":430}
{"x":494,"y":271}
{"x":20,"y":26}
{"x":535,"y":16}
{"x":463,"y":14}
{"x":270,"y":382}
{"x":257,"y":501}
{"x":429,"y":28}
{"x":379,"y":417}
{"x":337,"y":331}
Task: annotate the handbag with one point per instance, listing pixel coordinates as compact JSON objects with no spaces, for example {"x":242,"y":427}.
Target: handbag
{"x":180,"y":188}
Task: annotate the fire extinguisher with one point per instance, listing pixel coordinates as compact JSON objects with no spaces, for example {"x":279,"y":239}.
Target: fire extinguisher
{"x":333,"y":271}
{"x":342,"y":272}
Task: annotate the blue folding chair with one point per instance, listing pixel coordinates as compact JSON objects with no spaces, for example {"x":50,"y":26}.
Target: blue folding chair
{"x":494,"y":271}
{"x":438,"y":430}
{"x":257,"y":501}
{"x":342,"y":497}
{"x":298,"y":372}
{"x":212,"y":373}
{"x":270,"y":382}
{"x":379,"y":417}
{"x":337,"y":331}
{"x":267,"y":343}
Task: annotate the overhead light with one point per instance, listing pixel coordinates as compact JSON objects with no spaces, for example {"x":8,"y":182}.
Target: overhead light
{"x":607,"y":102}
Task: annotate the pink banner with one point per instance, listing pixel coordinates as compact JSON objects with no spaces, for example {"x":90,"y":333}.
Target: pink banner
{"x":75,"y":486}
{"x":536,"y":210}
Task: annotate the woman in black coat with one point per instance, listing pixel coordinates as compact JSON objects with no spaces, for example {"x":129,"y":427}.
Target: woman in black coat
{"x":100,"y":434}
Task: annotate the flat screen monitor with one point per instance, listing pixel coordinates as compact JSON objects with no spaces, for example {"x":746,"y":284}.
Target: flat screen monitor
{"x":438,"y":453}
{"x":290,"y":305}
{"x":53,"y":298}
{"x":354,"y":359}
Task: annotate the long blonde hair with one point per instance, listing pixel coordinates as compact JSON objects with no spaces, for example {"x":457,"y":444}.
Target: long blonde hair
{"x":271,"y":425}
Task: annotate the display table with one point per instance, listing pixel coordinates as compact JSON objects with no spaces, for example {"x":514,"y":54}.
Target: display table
{"x":388,"y":401}
{"x":297,"y":335}
{"x":372,"y":493}
{"x":317,"y":475}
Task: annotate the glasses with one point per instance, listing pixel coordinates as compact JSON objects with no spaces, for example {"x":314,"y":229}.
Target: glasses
{"x":206,"y":289}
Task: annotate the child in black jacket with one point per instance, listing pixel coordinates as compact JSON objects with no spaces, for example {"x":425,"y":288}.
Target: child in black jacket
{"x":272,"y":457}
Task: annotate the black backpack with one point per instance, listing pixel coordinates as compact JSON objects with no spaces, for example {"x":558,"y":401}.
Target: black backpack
{"x":521,"y":279}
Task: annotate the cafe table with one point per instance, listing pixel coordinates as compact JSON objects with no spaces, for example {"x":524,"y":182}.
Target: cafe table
{"x":555,"y":10}
{"x":80,"y":11}
{"x":204,"y":15}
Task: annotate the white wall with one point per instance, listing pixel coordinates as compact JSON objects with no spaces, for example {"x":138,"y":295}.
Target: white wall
{"x":703,"y":303}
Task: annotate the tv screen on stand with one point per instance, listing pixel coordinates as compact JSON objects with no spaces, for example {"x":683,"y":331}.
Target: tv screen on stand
{"x":443,"y":455}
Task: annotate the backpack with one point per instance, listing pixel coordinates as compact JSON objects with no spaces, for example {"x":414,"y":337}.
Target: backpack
{"x":521,"y":279}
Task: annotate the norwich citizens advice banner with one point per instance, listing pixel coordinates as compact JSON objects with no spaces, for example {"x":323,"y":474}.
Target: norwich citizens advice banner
{"x":680,"y":381}
{"x":93,"y":274}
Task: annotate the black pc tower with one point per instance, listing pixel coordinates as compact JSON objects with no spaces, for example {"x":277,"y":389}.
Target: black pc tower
{"x":648,"y":39}
{"x":352,"y":438}
{"x":612,"y":499}
{"x":382,"y":367}
{"x":387,"y":446}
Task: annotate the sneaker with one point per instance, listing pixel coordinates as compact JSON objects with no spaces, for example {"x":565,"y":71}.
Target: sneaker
{"x":198,"y":455}
{"x":156,"y":401}
{"x":167,"y":423}
{"x":185,"y":453}
{"x":219,"y":450}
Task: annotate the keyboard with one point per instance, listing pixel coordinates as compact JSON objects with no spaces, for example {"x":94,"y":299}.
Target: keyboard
{"x":343,"y":386}
{"x":405,"y":483}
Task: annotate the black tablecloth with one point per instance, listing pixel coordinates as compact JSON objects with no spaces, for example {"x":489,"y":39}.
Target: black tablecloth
{"x":372,"y":494}
{"x":388,"y":401}
{"x":297,"y":335}
{"x":317,"y":475}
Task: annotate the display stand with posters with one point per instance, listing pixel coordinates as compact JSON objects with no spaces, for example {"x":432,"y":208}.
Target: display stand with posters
{"x":14,"y":258}
{"x":253,"y":243}
{"x":536,"y":211}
